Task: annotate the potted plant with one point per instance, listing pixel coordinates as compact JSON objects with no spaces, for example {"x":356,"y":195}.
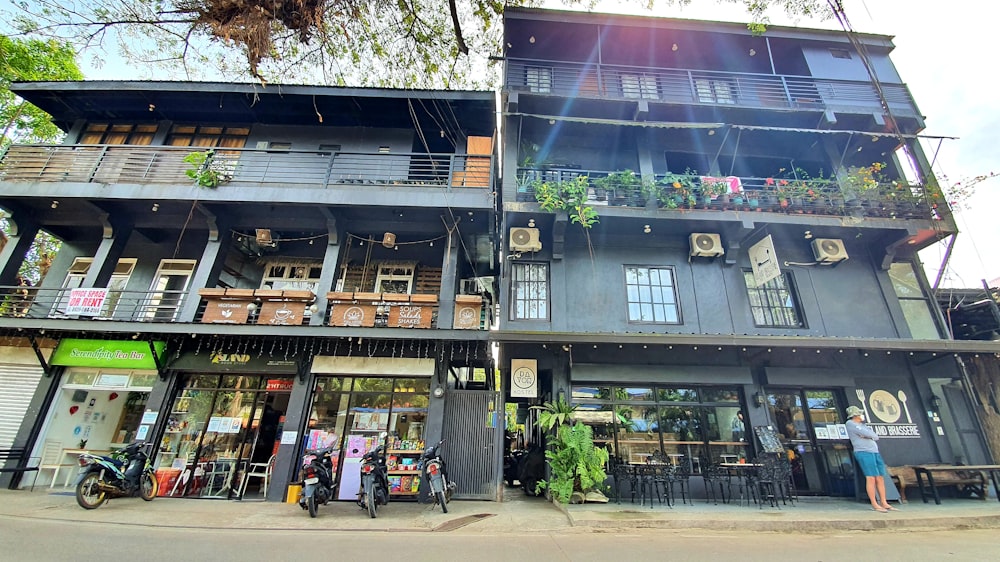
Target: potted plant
{"x":206,"y":170}
{"x":671,"y":191}
{"x":623,"y":187}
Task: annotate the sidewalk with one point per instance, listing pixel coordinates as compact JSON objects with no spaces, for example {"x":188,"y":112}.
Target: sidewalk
{"x":519,"y":514}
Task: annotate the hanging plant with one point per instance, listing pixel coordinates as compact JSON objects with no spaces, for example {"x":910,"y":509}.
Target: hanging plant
{"x":205,"y":170}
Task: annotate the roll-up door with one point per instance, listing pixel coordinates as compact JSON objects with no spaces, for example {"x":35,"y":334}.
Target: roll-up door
{"x":17,"y":386}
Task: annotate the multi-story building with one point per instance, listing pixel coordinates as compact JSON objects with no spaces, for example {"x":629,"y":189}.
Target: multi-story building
{"x":248,"y":271}
{"x":711,"y":243}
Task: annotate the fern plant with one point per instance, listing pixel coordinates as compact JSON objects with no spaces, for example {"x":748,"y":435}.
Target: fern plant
{"x":575,"y":463}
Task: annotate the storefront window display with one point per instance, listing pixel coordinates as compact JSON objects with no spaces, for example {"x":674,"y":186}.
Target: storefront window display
{"x":690,"y":425}
{"x":217,"y":427}
{"x":356,"y":414}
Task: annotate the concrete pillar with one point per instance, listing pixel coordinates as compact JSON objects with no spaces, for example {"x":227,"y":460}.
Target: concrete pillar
{"x":116,"y":235}
{"x":299,"y":409}
{"x":449,"y":272}
{"x":206,"y":274}
{"x":329,"y":274}
{"x":22,"y":235}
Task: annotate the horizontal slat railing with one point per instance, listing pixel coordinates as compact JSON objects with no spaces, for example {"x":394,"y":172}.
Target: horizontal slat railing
{"x":703,"y":87}
{"x":128,"y":306}
{"x":108,"y":164}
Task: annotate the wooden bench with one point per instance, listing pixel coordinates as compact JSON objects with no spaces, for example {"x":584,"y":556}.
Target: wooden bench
{"x":967,"y":480}
{"x":19,"y":455}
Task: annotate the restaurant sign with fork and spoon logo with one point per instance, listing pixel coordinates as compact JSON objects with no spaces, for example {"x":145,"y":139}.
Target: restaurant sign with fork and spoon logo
{"x":892,"y":410}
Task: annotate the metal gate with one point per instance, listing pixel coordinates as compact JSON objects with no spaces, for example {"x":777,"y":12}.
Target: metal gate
{"x":472,"y":428}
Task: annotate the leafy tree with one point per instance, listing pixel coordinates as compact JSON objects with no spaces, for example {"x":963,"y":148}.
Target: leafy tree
{"x":407,"y":43}
{"x":26,"y":60}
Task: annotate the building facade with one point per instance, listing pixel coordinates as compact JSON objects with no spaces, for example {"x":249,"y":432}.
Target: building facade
{"x":247,"y":272}
{"x":711,"y":243}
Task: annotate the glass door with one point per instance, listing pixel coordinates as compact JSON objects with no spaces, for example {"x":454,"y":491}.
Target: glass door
{"x":807,"y":425}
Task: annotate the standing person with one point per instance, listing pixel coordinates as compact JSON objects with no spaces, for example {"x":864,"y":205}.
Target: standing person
{"x":863,"y":439}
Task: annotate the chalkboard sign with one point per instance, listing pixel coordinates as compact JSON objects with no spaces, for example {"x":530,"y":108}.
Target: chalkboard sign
{"x":768,"y":439}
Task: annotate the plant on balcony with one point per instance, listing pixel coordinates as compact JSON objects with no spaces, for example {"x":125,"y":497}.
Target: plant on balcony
{"x":859,"y":183}
{"x":205,"y":170}
{"x":670,"y":191}
{"x":569,"y":196}
{"x":711,"y":189}
{"x":623,"y":187}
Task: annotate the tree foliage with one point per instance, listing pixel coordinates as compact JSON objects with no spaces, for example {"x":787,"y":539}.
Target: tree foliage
{"x":26,"y":60}
{"x":407,"y":43}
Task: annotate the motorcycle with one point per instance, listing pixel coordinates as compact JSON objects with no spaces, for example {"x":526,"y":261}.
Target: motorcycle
{"x":124,"y":474}
{"x":374,"y":490}
{"x":512,"y":466}
{"x":436,"y":475}
{"x":317,"y":479}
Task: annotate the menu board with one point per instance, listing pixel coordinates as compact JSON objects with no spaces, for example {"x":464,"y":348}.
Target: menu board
{"x":768,"y":438}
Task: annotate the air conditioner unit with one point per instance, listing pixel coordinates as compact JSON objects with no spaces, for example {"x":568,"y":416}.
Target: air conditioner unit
{"x":706,"y":245}
{"x":524,"y":239}
{"x":829,"y":250}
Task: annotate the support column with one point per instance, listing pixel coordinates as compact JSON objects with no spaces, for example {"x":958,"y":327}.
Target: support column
{"x":116,"y":235}
{"x":449,"y":273}
{"x":206,"y":274}
{"x":299,"y":409}
{"x":23,"y":232}
{"x":329,"y":273}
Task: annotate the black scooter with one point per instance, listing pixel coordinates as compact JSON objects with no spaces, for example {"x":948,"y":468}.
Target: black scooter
{"x":374,"y":490}
{"x":317,"y":479}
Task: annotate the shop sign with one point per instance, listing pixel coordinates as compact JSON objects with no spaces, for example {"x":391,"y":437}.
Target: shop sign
{"x":523,"y":378}
{"x":225,"y":312}
{"x":86,"y":302}
{"x":119,"y":354}
{"x":281,"y":313}
{"x":763,"y":261}
{"x":353,"y":315}
{"x":410,"y":316}
{"x":888,"y":414}
{"x":280,"y":384}
{"x":219,"y":362}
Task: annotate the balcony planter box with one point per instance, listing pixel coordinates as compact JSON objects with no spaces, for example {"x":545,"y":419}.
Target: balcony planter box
{"x":298,"y":295}
{"x":368,"y":297}
{"x":424,"y":299}
{"x":395,"y":297}
{"x":468,"y":309}
{"x":340,"y":296}
{"x":212,"y":293}
{"x":267,"y":293}
{"x":239,"y":293}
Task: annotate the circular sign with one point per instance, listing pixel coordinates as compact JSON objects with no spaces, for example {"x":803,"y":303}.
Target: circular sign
{"x":884,"y":406}
{"x":523,"y":378}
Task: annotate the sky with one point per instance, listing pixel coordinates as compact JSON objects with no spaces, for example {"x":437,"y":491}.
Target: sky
{"x":943,"y":53}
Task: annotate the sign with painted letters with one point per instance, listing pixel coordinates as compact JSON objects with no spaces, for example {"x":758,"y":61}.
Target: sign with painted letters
{"x":523,"y":378}
{"x":763,"y":261}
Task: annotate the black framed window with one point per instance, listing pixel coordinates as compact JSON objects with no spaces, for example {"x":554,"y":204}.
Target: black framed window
{"x":538,"y":79}
{"x":529,"y":291}
{"x":715,"y":90}
{"x":652,"y":295}
{"x":773,"y":304}
{"x":914,"y":302}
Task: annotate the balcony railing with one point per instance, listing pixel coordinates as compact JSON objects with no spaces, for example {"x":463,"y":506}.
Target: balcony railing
{"x":736,"y":89}
{"x":821,"y":196}
{"x":245,"y":306}
{"x":109,"y":164}
{"x":127,"y":306}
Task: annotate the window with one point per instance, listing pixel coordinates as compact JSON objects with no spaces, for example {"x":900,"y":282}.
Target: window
{"x":168,"y":289}
{"x":78,"y":272}
{"x":292,"y":275}
{"x":652,"y":295}
{"x":395,"y":278}
{"x":208,"y":137}
{"x":915,"y":305}
{"x":529,"y":291}
{"x":715,"y":91}
{"x":639,"y":86}
{"x":103,"y":133}
{"x":538,"y":79}
{"x":773,"y":304}
{"x":840,"y":54}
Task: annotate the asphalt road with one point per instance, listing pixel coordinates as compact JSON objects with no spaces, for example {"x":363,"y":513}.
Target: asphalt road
{"x":26,"y":539}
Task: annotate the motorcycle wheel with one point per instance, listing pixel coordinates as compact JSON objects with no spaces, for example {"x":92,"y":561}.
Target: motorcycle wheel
{"x":372,"y":504}
{"x":148,"y":487}
{"x":88,"y":492}
{"x":311,"y":503}
{"x":441,"y":501}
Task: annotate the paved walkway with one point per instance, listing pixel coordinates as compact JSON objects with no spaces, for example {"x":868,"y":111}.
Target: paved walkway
{"x":518,"y":514}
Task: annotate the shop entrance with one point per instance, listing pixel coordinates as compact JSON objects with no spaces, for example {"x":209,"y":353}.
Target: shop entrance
{"x":808,"y":424}
{"x":220,"y":427}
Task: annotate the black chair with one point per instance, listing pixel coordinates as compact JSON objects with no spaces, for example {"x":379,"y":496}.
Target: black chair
{"x":714,"y":476}
{"x":623,"y":475}
{"x":766,"y":480}
{"x":678,"y":477}
{"x":649,"y":479}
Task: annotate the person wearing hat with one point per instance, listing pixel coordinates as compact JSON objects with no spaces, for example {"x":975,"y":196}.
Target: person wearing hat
{"x":864,"y":441}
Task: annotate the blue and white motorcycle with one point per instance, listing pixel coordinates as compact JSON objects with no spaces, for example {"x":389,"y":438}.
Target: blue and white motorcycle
{"x":126,"y":473}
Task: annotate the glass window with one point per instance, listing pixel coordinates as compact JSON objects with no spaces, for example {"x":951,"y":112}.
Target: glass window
{"x":591,"y":393}
{"x":915,"y":305}
{"x":651,"y":295}
{"x":773,"y":304}
{"x":715,"y":91}
{"x":102,"y":133}
{"x":677,"y":395}
{"x":639,"y":86}
{"x":529,"y":289}
{"x":538,"y":79}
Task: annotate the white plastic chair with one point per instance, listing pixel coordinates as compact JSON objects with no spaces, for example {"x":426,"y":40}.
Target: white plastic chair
{"x":260,"y":470}
{"x":52,"y":457}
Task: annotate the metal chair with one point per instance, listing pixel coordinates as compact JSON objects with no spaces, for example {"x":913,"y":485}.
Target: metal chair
{"x":260,"y":470}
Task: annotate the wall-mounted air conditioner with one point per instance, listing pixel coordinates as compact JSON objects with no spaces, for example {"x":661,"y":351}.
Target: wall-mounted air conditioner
{"x":705,"y":244}
{"x":829,"y":250}
{"x":524,"y":239}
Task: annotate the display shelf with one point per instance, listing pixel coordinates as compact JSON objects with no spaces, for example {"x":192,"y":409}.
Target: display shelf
{"x":404,"y":472}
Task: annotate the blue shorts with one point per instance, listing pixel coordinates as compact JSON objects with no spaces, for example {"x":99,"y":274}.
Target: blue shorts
{"x":871,"y":463}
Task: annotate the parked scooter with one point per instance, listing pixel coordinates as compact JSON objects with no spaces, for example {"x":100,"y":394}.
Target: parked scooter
{"x":374,"y":490}
{"x":436,"y":475}
{"x":317,"y":479}
{"x":125,"y":474}
{"x":512,"y":466}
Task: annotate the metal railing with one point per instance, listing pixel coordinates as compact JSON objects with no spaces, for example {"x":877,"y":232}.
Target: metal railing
{"x":817,"y":196}
{"x":126,"y":306}
{"x":109,"y":164}
{"x":672,"y":85}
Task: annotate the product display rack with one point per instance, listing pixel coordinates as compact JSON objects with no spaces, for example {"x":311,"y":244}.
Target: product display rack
{"x":403,"y":464}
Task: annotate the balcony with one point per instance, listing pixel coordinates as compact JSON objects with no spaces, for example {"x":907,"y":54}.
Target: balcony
{"x":701,"y":87}
{"x":679,"y":192}
{"x":263,"y":307}
{"x":242,"y":168}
